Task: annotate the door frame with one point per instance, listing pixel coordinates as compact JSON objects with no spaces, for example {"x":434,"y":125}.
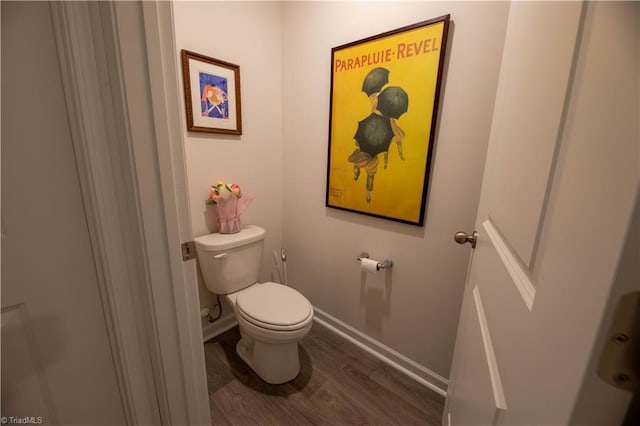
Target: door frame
{"x":129,"y":151}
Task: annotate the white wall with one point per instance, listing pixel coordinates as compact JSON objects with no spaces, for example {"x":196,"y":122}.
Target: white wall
{"x":284,"y":53}
{"x":249,"y":35}
{"x":415,"y":311}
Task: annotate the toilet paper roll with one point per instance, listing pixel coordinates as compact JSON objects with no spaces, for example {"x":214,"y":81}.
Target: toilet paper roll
{"x":369,"y":265}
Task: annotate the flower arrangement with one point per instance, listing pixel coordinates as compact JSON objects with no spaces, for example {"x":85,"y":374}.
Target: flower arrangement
{"x":230,"y":204}
{"x":222,"y":191}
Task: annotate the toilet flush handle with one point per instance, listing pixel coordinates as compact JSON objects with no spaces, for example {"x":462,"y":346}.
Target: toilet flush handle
{"x":220,"y":256}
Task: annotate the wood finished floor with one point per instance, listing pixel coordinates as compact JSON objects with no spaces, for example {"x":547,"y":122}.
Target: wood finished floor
{"x":338,"y":384}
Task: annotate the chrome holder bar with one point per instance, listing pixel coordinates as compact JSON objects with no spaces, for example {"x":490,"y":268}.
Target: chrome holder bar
{"x":363,"y":255}
{"x":385,"y":264}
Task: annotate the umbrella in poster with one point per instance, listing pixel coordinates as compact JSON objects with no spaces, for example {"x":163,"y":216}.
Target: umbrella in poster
{"x":375,"y":80}
{"x":393,"y":102}
{"x":374,"y":134}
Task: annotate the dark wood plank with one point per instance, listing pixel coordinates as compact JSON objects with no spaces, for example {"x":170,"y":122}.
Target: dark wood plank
{"x":414,"y":393}
{"x":339,"y":384}
{"x":217,"y":415}
{"x":242,"y":406}
{"x":355,"y":368}
{"x":219,"y":373}
{"x":331,"y":405}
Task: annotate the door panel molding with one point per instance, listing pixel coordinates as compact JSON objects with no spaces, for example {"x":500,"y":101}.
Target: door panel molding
{"x":520,"y":274}
{"x":527,"y":125}
{"x":492,"y":363}
{"x":475,"y":394}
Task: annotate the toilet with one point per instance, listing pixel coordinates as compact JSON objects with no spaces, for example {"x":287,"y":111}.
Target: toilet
{"x":273,"y":318}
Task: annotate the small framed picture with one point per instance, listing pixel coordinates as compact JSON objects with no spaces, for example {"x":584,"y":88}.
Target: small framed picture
{"x":211,"y":94}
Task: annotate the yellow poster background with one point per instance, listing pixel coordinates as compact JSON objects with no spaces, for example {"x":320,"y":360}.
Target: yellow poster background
{"x":412,"y":59}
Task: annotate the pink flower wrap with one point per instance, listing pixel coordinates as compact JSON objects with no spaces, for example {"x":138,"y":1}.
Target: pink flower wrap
{"x":229,"y":210}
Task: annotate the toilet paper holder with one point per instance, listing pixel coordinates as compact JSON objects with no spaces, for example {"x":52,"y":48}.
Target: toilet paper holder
{"x":385,"y":264}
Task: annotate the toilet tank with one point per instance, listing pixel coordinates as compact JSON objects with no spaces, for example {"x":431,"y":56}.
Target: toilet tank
{"x":230,"y":262}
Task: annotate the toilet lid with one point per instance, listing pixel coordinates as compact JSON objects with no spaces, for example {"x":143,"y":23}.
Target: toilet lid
{"x":275,"y":304}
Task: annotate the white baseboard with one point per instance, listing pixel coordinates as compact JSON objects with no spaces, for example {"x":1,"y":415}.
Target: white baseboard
{"x":406,"y":366}
{"x":211,"y":330}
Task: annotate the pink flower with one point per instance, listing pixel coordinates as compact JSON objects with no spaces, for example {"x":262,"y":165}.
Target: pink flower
{"x":235,"y":190}
{"x":213,"y":196}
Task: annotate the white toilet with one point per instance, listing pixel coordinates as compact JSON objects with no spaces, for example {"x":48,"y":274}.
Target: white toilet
{"x":272,"y":317}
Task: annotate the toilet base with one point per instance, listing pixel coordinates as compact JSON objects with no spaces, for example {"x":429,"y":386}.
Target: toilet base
{"x":275,"y":363}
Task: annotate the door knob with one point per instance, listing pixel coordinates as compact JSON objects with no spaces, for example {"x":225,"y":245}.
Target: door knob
{"x":463,"y":237}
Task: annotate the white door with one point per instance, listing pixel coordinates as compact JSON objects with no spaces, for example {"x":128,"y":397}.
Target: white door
{"x":57,"y":364}
{"x":558,"y":193}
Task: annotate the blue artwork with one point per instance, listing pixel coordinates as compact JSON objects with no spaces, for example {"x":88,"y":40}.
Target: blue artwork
{"x":213,"y":96}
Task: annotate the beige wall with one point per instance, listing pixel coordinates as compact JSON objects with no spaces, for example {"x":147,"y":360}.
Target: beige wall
{"x":284,"y":53}
{"x":417,"y":314}
{"x":249,"y":35}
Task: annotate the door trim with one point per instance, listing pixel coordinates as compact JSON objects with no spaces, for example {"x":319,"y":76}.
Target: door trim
{"x":130,"y":163}
{"x":111,"y":219}
{"x":182,"y":295}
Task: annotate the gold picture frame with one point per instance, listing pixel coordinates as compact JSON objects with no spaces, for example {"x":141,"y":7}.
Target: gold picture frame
{"x":211,"y":94}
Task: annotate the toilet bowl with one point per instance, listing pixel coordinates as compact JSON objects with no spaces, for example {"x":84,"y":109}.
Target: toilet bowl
{"x":272,"y":317}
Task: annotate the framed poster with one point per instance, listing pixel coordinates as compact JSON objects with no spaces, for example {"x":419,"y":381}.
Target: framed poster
{"x":211,"y":94}
{"x":384,"y":103}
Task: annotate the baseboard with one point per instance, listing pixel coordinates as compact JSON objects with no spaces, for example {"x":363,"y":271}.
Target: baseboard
{"x":410,"y":368}
{"x":211,"y":330}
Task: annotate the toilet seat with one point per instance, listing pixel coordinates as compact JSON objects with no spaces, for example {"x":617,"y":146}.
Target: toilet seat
{"x":274,"y":306}
{"x":272,"y":327}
